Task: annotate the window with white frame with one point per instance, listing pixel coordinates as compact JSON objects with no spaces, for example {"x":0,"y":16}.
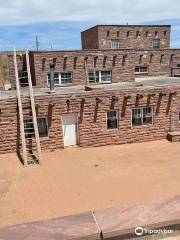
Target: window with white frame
{"x":115,"y":44}
{"x":104,"y":76}
{"x":156,"y":43}
{"x":61,"y":78}
{"x":142,"y":116}
{"x":66,"y":77}
{"x":112,"y":119}
{"x":141,"y":69}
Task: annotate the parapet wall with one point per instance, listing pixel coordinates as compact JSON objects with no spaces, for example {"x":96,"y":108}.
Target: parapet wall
{"x":114,"y":223}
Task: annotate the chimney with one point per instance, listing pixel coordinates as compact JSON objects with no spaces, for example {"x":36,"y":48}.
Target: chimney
{"x":52,"y":67}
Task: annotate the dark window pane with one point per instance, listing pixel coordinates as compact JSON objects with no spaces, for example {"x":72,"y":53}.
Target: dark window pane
{"x":112,"y":119}
{"x":106,"y":76}
{"x":136,"y":121}
{"x":156,"y":43}
{"x":111,"y":123}
{"x":42,"y":127}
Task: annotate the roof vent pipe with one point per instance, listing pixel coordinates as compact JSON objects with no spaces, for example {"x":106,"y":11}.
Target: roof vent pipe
{"x":52,"y":67}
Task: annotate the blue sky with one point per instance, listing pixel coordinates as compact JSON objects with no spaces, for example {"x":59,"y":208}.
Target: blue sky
{"x":59,"y":23}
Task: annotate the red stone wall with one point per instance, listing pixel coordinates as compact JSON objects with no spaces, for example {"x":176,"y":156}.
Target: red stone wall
{"x":1,"y":74}
{"x":92,"y":117}
{"x":127,"y":35}
{"x":40,"y":65}
{"x":89,"y":38}
{"x":160,"y":62}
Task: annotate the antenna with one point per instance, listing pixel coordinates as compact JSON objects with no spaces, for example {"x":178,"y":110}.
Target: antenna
{"x":37,"y":43}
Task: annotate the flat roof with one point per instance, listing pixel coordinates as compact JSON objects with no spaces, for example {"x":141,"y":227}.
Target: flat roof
{"x":128,"y":25}
{"x":145,"y":84}
{"x":133,"y":25}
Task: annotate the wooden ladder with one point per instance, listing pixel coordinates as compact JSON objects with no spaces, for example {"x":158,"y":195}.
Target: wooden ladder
{"x":30,"y":142}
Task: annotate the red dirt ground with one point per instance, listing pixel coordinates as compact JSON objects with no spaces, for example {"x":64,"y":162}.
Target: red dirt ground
{"x":76,"y":180}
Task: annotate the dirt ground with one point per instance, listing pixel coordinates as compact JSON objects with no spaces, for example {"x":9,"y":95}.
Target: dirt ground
{"x":76,"y":180}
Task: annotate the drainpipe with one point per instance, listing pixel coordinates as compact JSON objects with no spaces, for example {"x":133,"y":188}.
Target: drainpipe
{"x":52,"y":67}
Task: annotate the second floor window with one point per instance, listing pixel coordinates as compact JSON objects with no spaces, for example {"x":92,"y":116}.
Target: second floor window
{"x":115,"y":44}
{"x":156,"y":43}
{"x":61,"y":78}
{"x":104,"y":76}
{"x":141,"y":69}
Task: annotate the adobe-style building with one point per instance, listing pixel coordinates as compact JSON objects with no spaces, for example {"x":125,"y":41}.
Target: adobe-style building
{"x":122,"y":87}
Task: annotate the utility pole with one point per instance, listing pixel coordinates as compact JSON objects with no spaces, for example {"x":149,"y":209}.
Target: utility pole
{"x":37,"y":43}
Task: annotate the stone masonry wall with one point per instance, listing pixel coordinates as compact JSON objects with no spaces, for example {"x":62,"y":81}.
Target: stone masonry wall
{"x":92,"y":126}
{"x":89,"y":39}
{"x":140,"y":37}
{"x":73,"y":61}
{"x":162,"y":62}
{"x":159,"y":62}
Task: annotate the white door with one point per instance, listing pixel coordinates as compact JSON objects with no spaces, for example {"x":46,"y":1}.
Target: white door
{"x":69,"y":124}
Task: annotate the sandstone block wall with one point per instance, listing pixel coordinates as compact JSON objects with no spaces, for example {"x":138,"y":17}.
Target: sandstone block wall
{"x":130,"y":36}
{"x":73,"y":61}
{"x":159,"y":62}
{"x":92,"y":125}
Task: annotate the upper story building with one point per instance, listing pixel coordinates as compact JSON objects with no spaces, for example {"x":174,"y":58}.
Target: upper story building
{"x":110,"y":54}
{"x":126,"y":36}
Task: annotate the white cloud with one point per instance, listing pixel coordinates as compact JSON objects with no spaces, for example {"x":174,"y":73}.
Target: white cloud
{"x":99,"y":11}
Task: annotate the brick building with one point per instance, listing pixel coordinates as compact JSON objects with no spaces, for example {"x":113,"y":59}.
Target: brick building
{"x":107,"y":93}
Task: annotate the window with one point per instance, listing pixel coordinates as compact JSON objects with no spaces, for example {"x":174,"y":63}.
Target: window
{"x":23,"y":78}
{"x":156,"y":43}
{"x":104,"y":76}
{"x":117,"y":33}
{"x":165,"y":32}
{"x":178,"y":65}
{"x":141,"y":69}
{"x":112,"y":121}
{"x":115,"y":44}
{"x":66,"y":77}
{"x":108,"y":32}
{"x":127,"y":34}
{"x":142,"y":116}
{"x":156,"y":33}
{"x":61,"y":78}
{"x":56,"y":79}
{"x":147,"y":33}
{"x":42,"y":128}
{"x":93,"y":77}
